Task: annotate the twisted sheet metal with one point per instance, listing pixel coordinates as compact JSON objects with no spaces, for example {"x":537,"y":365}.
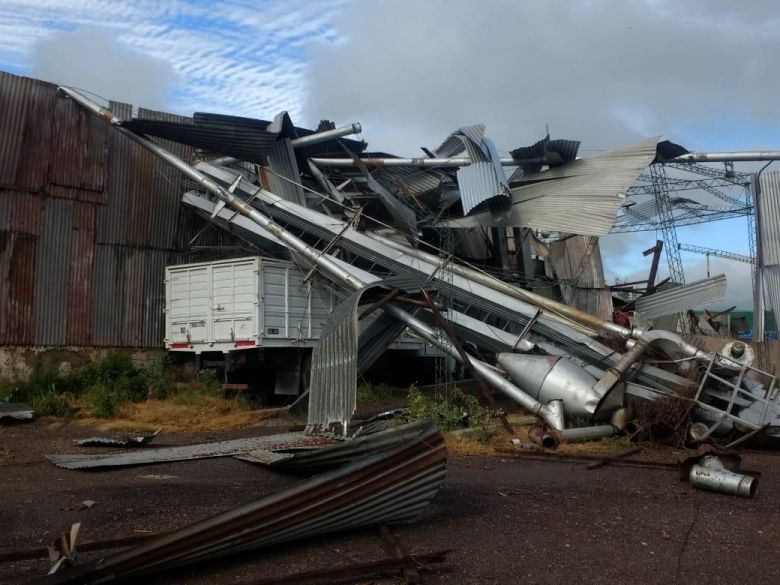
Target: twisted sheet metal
{"x":478,"y":183}
{"x":409,"y":181}
{"x":682,"y":298}
{"x":387,"y":484}
{"x":581,"y":197}
{"x":244,"y":138}
{"x":334,"y":361}
{"x":285,"y":178}
{"x":184,"y":453}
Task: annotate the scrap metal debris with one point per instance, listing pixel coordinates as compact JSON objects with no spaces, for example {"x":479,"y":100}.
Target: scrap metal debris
{"x":391,"y":484}
{"x":137,"y":441}
{"x":201,"y":451}
{"x":15,"y":412}
{"x":372,"y":228}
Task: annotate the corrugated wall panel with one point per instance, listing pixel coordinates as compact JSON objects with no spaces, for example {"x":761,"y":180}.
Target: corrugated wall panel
{"x":88,"y":221}
{"x":108,"y":294}
{"x":79,"y":148}
{"x":112,"y":218}
{"x":26,"y":115}
{"x":152,"y":331}
{"x":162,"y":196}
{"x":79,"y":291}
{"x":52,"y":265}
{"x":17,"y":266}
{"x":134,"y":296}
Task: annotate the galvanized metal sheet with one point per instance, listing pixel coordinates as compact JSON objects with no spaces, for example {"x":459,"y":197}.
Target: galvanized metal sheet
{"x":582,"y":197}
{"x":200,"y":451}
{"x":766,"y":193}
{"x":378,"y":485}
{"x":478,"y":183}
{"x":682,"y":298}
{"x":284,"y":177}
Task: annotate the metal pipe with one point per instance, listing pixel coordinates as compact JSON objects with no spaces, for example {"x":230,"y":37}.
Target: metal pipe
{"x":325,"y":183}
{"x":755,"y":155}
{"x":322,"y":261}
{"x":543,"y":436}
{"x":710,"y":474}
{"x":555,"y":308}
{"x":583,"y":434}
{"x":420,"y":163}
{"x":319,"y":137}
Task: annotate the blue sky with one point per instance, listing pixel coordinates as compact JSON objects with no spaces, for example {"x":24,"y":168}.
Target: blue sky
{"x":607,"y":72}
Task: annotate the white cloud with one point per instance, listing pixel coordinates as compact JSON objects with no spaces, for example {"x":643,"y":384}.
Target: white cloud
{"x":230,"y":56}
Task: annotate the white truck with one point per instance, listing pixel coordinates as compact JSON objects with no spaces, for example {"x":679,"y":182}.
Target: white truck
{"x":254,"y":319}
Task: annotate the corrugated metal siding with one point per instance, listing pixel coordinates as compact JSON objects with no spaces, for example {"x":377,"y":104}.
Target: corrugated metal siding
{"x":682,"y":298}
{"x":78,"y":300}
{"x":78,"y":149}
{"x":26,"y":112}
{"x":52,"y":265}
{"x":766,"y":194}
{"x":285,"y":178}
{"x":88,"y":222}
{"x":478,"y":183}
{"x":582,"y":197}
{"x":767,"y":200}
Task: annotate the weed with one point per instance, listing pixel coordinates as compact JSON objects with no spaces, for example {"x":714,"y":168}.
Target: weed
{"x":209,"y":383}
{"x":618,"y":442}
{"x":450,"y":415}
{"x":371,"y":393}
{"x":158,"y":378}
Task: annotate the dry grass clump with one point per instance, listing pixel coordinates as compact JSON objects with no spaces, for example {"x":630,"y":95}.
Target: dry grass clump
{"x":664,"y":420}
{"x":207,"y":414}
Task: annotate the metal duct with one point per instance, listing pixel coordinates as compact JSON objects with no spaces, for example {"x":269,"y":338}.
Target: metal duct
{"x":549,"y":378}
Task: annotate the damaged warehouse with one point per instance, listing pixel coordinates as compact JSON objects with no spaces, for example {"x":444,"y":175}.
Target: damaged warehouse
{"x":463,"y":255}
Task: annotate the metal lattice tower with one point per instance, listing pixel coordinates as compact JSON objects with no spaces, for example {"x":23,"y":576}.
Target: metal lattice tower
{"x":669,"y":230}
{"x":444,"y":364}
{"x":751,"y":225}
{"x":672,"y":247}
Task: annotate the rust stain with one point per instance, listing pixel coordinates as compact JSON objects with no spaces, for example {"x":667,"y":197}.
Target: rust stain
{"x":79,"y":291}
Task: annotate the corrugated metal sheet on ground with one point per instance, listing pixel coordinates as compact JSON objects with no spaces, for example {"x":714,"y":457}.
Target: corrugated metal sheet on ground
{"x":582,"y":197}
{"x":186,"y":452}
{"x":682,"y":298}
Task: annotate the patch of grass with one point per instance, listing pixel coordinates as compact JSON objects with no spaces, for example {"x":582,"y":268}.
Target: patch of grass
{"x":371,"y":393}
{"x":618,"y":442}
{"x":44,"y":389}
{"x":451,"y":415}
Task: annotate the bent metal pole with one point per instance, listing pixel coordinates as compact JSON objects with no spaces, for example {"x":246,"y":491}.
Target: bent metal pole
{"x":323,"y":262}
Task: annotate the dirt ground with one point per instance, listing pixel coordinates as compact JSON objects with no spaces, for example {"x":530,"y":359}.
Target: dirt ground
{"x":509,"y":520}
